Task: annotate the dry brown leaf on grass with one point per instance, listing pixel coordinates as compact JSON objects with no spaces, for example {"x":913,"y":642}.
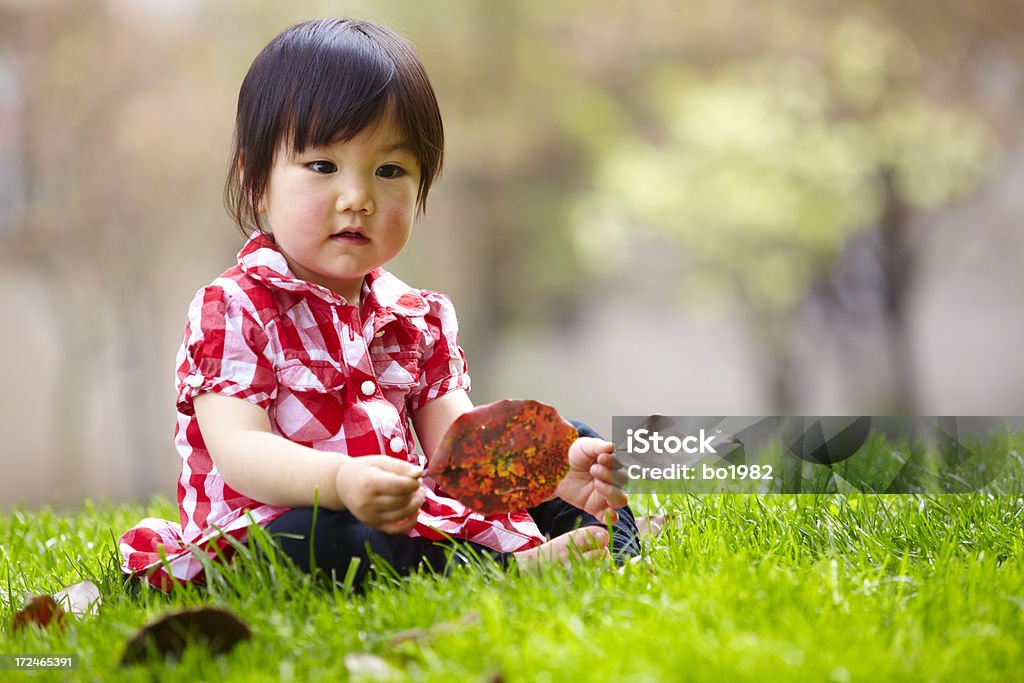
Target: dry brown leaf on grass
{"x":41,"y":610}
{"x":210,"y":627}
{"x":503,"y":456}
{"x":80,"y":599}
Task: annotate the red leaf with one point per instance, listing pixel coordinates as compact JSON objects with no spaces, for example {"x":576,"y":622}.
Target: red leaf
{"x":41,"y":610}
{"x":504,"y":456}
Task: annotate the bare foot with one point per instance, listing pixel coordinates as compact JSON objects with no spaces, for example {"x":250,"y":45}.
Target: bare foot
{"x":587,"y":543}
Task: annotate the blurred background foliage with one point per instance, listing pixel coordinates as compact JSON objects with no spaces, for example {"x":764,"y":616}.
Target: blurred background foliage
{"x":709,"y":207}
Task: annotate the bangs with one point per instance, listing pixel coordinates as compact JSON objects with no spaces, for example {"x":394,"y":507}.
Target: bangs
{"x":339,"y":89}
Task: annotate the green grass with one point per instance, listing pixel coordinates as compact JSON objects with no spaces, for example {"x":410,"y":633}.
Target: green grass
{"x":736,"y":588}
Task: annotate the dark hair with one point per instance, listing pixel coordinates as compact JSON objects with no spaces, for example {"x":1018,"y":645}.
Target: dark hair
{"x":322,"y":80}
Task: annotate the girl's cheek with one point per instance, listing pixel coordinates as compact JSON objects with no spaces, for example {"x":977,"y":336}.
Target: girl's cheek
{"x":402,"y":209}
{"x":312,"y":208}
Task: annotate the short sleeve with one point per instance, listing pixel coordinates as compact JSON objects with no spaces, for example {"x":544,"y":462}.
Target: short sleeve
{"x":443,"y":367}
{"x":225,"y":350}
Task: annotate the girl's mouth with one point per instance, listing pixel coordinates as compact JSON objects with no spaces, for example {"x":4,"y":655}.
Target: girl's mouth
{"x":350,"y":237}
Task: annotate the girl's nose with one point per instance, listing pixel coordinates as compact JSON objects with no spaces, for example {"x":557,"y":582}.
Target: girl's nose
{"x":354,"y":196}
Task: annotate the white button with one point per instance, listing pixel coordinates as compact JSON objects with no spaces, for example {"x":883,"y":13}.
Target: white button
{"x":195,"y":381}
{"x":398,"y":444}
{"x":368,"y":388}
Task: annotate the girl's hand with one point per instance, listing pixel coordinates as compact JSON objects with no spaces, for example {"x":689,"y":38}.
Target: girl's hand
{"x":595,"y":479}
{"x":383,"y":493}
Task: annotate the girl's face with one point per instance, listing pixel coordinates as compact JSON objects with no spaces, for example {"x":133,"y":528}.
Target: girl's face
{"x":338,"y":211}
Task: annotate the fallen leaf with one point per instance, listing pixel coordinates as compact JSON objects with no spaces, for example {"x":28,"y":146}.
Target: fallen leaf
{"x":365,"y":665}
{"x":81,"y":599}
{"x":211,"y":627}
{"x":503,"y":456}
{"x":41,"y":610}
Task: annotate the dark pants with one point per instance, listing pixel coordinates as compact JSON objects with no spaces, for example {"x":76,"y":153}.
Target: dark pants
{"x":339,"y":538}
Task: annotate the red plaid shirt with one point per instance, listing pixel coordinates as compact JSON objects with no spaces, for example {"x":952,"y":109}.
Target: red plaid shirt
{"x":330,"y":377}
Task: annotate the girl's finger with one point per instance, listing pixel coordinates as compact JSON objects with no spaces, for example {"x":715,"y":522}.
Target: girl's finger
{"x":596,"y":447}
{"x":392,"y":484}
{"x":397,"y":511}
{"x":396,"y":466}
{"x":613,"y":495}
{"x":610,"y":516}
{"x":399,"y":527}
{"x":614,"y":477}
{"x":382,"y":505}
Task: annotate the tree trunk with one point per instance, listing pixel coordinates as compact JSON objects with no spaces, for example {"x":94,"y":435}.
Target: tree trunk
{"x":898,"y":263}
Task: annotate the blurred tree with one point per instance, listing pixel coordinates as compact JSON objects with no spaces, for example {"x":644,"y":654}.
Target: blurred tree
{"x":102,"y":132}
{"x":761,"y":169}
{"x":736,"y":149}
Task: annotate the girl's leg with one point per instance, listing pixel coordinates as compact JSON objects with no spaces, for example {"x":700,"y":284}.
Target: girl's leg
{"x":338,"y":539}
{"x":590,"y":543}
{"x":556,"y":517}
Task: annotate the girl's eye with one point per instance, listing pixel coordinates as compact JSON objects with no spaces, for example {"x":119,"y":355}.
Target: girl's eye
{"x":322,"y":166}
{"x":390,"y":171}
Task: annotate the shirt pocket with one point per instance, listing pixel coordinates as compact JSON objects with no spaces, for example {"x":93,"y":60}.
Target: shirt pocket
{"x":397,"y":374}
{"x":310,"y":404}
{"x":399,"y":369}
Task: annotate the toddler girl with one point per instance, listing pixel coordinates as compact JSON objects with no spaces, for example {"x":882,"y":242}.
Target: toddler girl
{"x":304,"y":367}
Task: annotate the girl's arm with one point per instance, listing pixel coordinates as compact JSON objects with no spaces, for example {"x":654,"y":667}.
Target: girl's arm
{"x":381,"y":491}
{"x":432,"y":420}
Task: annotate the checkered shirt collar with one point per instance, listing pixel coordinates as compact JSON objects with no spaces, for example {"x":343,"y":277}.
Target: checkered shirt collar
{"x":383,"y":293}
